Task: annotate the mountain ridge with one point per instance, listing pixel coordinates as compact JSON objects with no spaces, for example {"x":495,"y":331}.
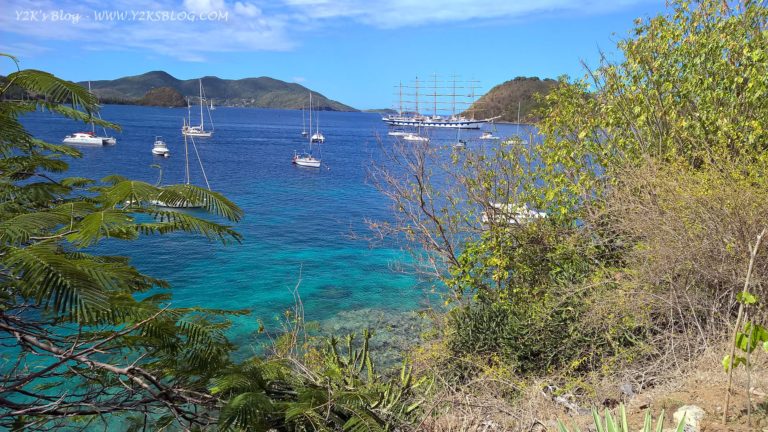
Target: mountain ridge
{"x":261,"y":92}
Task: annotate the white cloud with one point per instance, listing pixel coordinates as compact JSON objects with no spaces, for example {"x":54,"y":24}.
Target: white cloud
{"x":247,"y":9}
{"x":204,"y":5}
{"x":401,"y":13}
{"x":141,"y":25}
{"x":255,"y":25}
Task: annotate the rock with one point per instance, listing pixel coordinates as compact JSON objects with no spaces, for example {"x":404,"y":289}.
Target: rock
{"x":693,"y":416}
{"x":626,"y":390}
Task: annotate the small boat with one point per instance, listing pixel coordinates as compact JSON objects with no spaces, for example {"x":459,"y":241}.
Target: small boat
{"x":461,"y":144}
{"x":108,"y":140}
{"x":488,"y":136}
{"x":511,"y":214}
{"x":160,"y":148}
{"x":318,"y":137}
{"x":84,"y":138}
{"x":197,"y":131}
{"x":185,"y":204}
{"x":306,"y":159}
{"x":397,"y":133}
{"x":303,"y":123}
{"x":415,"y":137}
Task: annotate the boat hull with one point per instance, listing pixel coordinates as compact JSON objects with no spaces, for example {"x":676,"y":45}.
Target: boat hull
{"x":430,"y":122}
{"x":84,"y":141}
{"x":198,"y":134}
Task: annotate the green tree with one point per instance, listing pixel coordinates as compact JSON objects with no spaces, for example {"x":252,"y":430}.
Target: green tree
{"x":79,"y":343}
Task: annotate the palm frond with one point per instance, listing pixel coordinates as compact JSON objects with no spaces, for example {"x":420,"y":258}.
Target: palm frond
{"x":171,"y":221}
{"x":55,"y":89}
{"x":212,"y":202}
{"x":54,"y":280}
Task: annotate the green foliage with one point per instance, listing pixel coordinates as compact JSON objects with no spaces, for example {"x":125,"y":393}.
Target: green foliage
{"x":93,"y":325}
{"x":344,"y":393}
{"x":752,"y":336}
{"x":620,"y":424}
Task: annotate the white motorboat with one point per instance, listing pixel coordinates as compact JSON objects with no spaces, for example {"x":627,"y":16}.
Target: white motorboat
{"x":488,"y":136}
{"x":84,"y":138}
{"x":415,"y":137}
{"x":318,"y":137}
{"x":160,"y":148}
{"x":197,"y":131}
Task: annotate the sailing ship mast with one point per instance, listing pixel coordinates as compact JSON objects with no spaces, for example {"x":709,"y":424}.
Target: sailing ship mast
{"x":201,"y":105}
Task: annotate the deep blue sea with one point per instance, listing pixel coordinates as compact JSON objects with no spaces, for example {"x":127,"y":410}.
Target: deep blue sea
{"x":301,"y":226}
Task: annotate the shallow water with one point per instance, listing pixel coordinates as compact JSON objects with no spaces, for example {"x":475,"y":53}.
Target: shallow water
{"x":302,"y":226}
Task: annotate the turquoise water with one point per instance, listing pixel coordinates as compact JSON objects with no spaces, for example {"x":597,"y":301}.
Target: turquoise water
{"x":301,"y":226}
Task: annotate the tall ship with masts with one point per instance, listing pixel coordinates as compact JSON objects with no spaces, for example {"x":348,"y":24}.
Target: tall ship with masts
{"x":446,"y":104}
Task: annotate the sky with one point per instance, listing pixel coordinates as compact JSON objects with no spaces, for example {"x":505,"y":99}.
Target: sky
{"x":352,"y":51}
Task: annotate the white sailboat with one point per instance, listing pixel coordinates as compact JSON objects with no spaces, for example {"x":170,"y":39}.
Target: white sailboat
{"x":90,"y":138}
{"x":187,"y":181}
{"x":460,"y":143}
{"x":306,"y":159}
{"x":212,"y":107}
{"x":197,"y":131}
{"x":303,"y":123}
{"x":84,"y":138}
{"x":517,"y":138}
{"x":318,"y":136}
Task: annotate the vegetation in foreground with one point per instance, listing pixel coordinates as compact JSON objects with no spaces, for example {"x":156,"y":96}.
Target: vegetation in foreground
{"x":651,"y":173}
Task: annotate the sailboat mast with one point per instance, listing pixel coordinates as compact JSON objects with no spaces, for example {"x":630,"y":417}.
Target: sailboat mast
{"x":417,"y":96}
{"x":310,"y":122}
{"x":201,"y":104}
{"x":186,"y":158}
{"x":93,"y":126}
{"x":434,"y":94}
{"x":453,"y":98}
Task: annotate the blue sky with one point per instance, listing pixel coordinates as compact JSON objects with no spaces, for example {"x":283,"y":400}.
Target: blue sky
{"x":353,"y":51}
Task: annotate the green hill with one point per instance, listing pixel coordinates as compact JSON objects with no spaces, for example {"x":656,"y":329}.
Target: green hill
{"x":262,"y":92}
{"x":503,"y":99}
{"x":163,"y":96}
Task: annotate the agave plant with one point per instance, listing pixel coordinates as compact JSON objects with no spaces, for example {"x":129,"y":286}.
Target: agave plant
{"x":608,"y":424}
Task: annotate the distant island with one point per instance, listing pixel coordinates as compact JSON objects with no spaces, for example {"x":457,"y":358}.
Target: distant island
{"x":503,"y":99}
{"x":159,"y":88}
